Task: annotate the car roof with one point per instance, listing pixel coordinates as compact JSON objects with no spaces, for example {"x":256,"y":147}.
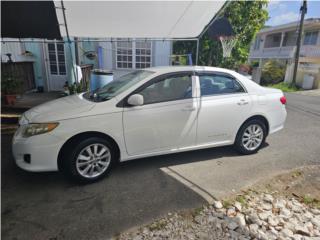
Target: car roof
{"x":168,"y":69}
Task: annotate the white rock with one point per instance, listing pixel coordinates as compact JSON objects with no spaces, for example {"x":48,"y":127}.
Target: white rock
{"x":271,"y":236}
{"x":261,"y":235}
{"x":280,"y":203}
{"x":315,"y":211}
{"x":138,"y":237}
{"x":266,"y":206}
{"x":302,"y":230}
{"x":233,"y":225}
{"x":296,"y":209}
{"x":254,"y":228}
{"x":316,"y":233}
{"x":264,"y":215}
{"x":231,"y":212}
{"x":273,"y":221}
{"x":308,"y":215}
{"x":285,"y":212}
{"x":287,"y":233}
{"x":237,"y":205}
{"x":316,"y":222}
{"x":240,"y":220}
{"x":217,"y":204}
{"x":268,"y":198}
{"x":296,"y":203}
{"x":297,"y":237}
{"x":309,"y":226}
{"x":252,"y":217}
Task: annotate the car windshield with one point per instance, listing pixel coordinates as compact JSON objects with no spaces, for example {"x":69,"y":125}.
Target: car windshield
{"x":119,"y":85}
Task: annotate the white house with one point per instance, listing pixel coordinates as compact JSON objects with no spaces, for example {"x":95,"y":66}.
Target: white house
{"x":53,"y":61}
{"x":279,"y":42}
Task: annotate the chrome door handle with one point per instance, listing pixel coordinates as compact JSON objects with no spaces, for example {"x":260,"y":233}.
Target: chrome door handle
{"x":188,"y":109}
{"x":242,"y":102}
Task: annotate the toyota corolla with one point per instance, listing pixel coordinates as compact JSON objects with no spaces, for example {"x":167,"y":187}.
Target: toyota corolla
{"x":146,"y":113}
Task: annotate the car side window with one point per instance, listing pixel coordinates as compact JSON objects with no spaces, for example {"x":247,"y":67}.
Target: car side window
{"x":214,"y":84}
{"x":168,"y":89}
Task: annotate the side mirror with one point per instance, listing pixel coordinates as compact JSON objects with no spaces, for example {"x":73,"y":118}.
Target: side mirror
{"x":135,"y":100}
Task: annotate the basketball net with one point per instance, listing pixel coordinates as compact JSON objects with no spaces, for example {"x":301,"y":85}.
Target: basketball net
{"x":227,"y":44}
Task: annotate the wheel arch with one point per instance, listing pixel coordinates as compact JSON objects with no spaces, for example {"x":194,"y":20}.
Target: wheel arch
{"x":259,"y":117}
{"x":80,"y":136}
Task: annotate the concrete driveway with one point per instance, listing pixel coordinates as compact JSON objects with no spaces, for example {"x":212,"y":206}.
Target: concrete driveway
{"x":45,"y":206}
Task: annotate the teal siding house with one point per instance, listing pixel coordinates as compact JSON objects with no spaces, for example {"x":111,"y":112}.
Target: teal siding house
{"x":54,"y":63}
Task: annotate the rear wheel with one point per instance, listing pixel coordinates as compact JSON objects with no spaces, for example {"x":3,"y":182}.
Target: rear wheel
{"x":251,"y":137}
{"x":89,"y":160}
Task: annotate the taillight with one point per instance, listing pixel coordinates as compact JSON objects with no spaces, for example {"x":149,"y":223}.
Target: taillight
{"x":283,"y":100}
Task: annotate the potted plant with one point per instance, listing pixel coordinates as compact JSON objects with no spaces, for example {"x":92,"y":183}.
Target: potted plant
{"x":10,"y":88}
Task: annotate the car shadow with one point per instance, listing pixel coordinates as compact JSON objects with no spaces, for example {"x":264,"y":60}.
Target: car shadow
{"x":10,"y":171}
{"x":134,"y":193}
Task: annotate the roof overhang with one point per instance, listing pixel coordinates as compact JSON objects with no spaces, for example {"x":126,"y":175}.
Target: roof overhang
{"x":28,"y":19}
{"x":137,"y":19}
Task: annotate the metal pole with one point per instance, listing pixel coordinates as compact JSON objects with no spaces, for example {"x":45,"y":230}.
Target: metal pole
{"x":303,"y":11}
{"x":69,"y":42}
{"x":197,"y":52}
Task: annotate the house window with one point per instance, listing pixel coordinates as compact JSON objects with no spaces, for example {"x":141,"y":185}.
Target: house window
{"x":133,"y":55}
{"x":143,"y":54}
{"x":273,"y":40}
{"x":57,"y":59}
{"x":290,"y":39}
{"x":310,"y":38}
{"x":256,"y":45}
{"x":124,"y":54}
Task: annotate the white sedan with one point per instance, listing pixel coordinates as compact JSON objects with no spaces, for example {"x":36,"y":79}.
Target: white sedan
{"x":146,"y":113}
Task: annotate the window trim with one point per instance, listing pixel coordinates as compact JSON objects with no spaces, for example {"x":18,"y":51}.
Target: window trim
{"x":220,"y":73}
{"x":133,"y":48}
{"x":57,"y":59}
{"x":311,"y":33}
{"x":124,"y":102}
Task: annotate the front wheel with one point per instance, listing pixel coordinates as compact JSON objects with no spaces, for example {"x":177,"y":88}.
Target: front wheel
{"x":251,"y":137}
{"x":89,"y":160}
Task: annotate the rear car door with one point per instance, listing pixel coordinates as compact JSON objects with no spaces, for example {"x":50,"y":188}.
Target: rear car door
{"x":224,"y":105}
{"x":166,"y":120}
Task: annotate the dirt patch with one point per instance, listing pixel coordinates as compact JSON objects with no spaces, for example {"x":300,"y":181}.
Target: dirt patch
{"x":302,"y":183}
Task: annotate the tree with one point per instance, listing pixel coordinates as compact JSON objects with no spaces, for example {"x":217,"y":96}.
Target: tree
{"x":246,"y":18}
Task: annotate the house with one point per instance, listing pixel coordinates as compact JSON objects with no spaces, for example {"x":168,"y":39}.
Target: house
{"x":53,"y":62}
{"x":279,"y":42}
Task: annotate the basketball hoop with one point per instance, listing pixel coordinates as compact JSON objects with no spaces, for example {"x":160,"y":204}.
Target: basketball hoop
{"x":227,"y":43}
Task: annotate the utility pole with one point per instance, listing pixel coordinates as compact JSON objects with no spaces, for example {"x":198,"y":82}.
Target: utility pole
{"x":303,"y":11}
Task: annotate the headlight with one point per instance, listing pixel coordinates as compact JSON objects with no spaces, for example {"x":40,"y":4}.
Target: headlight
{"x":37,"y":128}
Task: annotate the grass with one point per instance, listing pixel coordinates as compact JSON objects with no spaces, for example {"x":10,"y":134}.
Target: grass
{"x":296,"y":174}
{"x":159,"y":225}
{"x":285,"y":87}
{"x":313,"y":202}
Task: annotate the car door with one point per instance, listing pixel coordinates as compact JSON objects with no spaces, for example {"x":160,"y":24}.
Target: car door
{"x":224,"y":105}
{"x":166,"y":120}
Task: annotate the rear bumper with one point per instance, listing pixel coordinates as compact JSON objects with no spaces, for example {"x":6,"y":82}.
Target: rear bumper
{"x":43,"y":151}
{"x":278,"y":121}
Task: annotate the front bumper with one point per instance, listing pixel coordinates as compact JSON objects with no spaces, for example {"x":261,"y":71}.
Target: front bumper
{"x":43,"y":150}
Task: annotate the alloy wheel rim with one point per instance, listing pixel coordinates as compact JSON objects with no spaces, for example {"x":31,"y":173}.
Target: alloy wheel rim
{"x":93,"y":160}
{"x":252,"y":137}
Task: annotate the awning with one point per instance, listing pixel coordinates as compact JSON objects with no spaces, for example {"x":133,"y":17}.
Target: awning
{"x":27,"y":19}
{"x":137,"y":19}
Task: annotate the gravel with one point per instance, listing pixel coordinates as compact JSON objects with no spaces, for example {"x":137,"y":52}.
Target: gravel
{"x":262,"y":216}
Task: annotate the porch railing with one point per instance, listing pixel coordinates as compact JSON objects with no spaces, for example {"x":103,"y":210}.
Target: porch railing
{"x":86,"y":72}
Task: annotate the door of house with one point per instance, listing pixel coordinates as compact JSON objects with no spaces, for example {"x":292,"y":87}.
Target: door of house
{"x":56,"y":66}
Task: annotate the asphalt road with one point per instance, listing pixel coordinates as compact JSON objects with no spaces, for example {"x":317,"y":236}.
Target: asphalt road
{"x":45,"y":206}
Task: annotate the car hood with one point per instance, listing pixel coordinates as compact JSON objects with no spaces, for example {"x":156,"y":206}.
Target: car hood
{"x":60,"y":109}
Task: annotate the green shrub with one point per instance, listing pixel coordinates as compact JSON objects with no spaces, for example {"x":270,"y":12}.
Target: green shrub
{"x":272,"y":72}
{"x":285,"y":87}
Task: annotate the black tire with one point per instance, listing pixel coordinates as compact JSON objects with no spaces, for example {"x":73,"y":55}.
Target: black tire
{"x":69,"y":167}
{"x":239,"y":143}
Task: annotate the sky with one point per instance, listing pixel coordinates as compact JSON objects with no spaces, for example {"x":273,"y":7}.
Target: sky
{"x":281,"y":12}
